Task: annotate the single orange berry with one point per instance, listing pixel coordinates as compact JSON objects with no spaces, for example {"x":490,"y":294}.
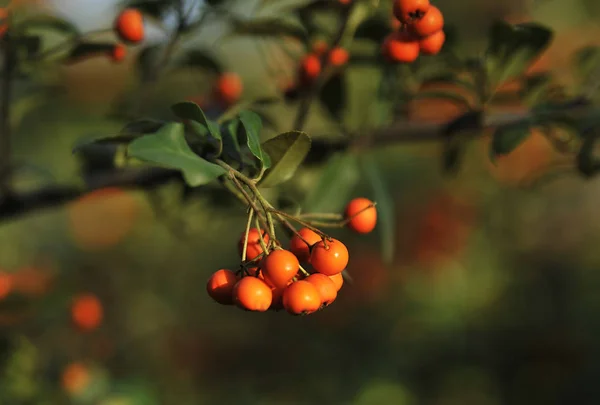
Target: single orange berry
{"x":310,"y":68}
{"x":254,"y":248}
{"x":299,"y":247}
{"x":252,"y":294}
{"x":229,"y":88}
{"x":86,"y":312}
{"x":409,"y":11}
{"x":326,"y":287}
{"x":400,"y":47}
{"x":432,"y":44}
{"x":338,"y":57}
{"x":7,"y":283}
{"x":118,"y":53}
{"x":329,"y":257}
{"x":279,"y":267}
{"x":432,"y":22}
{"x":319,"y":47}
{"x":75,"y":378}
{"x":361,"y":214}
{"x":345,"y":2}
{"x":338,"y":281}
{"x":129,"y":25}
{"x":301,"y":298}
{"x":220,"y":286}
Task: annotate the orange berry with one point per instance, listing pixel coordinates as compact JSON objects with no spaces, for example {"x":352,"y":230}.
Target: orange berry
{"x":363,"y":219}
{"x":229,"y":88}
{"x":432,"y":44}
{"x":310,"y":68}
{"x":129,"y":25}
{"x":220,"y":286}
{"x":6,"y":284}
{"x":254,"y":248}
{"x":3,"y":21}
{"x":279,"y":267}
{"x":86,"y":312}
{"x":325,"y":286}
{"x":338,"y":57}
{"x":118,"y":53}
{"x":400,"y":47}
{"x":431,"y":23}
{"x":409,"y":11}
{"x":298,"y":246}
{"x":301,"y":298}
{"x":319,"y":47}
{"x":75,"y":378}
{"x":338,"y":281}
{"x":329,"y":257}
{"x":252,"y":294}
{"x":345,"y":2}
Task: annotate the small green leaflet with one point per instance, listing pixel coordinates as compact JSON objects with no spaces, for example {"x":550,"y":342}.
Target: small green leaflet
{"x":252,"y":125}
{"x":287,"y":152}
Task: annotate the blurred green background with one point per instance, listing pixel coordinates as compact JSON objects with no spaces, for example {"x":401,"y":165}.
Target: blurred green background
{"x":491,"y":298}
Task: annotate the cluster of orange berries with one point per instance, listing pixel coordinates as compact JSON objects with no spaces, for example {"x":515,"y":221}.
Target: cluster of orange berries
{"x":129,"y":27}
{"x":420,"y":31}
{"x":311,"y":65}
{"x":276,"y":280}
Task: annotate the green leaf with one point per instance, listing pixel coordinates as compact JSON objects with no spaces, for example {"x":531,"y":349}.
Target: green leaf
{"x":188,"y":110}
{"x":513,"y":48}
{"x":333,"y":95}
{"x":252,"y":124}
{"x":231,"y":144}
{"x":270,"y":27}
{"x":49,"y":22}
{"x":82,"y":144}
{"x":506,"y":138}
{"x":168,"y":148}
{"x":202,"y":59}
{"x":338,"y":178}
{"x":386,"y":222}
{"x":287,"y":151}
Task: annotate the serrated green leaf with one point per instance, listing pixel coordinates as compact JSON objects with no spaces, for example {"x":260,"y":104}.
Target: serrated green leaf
{"x":168,"y":148}
{"x":287,"y":152}
{"x":507,"y":138}
{"x":252,"y":125}
{"x":270,"y":27}
{"x":231,"y":145}
{"x":513,"y":48}
{"x":333,"y":95}
{"x":385,"y":208}
{"x":338,"y":178}
{"x":188,"y":110}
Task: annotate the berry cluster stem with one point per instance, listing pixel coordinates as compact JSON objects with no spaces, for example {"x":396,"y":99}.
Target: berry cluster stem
{"x":248,"y":223}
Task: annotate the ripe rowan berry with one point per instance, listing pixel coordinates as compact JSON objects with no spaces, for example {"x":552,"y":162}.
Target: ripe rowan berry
{"x":301,"y":298}
{"x":299,"y":247}
{"x":129,"y":25}
{"x":86,"y":312}
{"x":254,"y":248}
{"x":338,"y":57}
{"x":338,"y":281}
{"x":432,"y":22}
{"x":252,"y":294}
{"x":220,"y":286}
{"x":329,"y":257}
{"x":7,"y":283}
{"x":400,"y":47}
{"x":409,"y":11}
{"x":229,"y":88}
{"x":75,"y":378}
{"x":279,"y":267}
{"x":362,"y":219}
{"x":310,"y":68}
{"x":118,"y":53}
{"x":432,"y":44}
{"x":325,"y":286}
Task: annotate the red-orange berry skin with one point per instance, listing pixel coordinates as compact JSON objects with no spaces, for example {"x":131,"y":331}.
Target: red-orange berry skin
{"x":338,"y":57}
{"x":279,"y":267}
{"x":254,"y":248}
{"x":129,"y":25}
{"x":409,"y":11}
{"x":400,"y":47}
{"x":229,"y":88}
{"x":431,"y":23}
{"x":87,"y":312}
{"x":298,"y":246}
{"x":252,"y":294}
{"x":310,"y":68}
{"x":220,"y":286}
{"x":118,"y":53}
{"x":326,"y":287}
{"x":433,"y":44}
{"x":329,"y":257}
{"x":301,"y":298}
{"x":338,"y":281}
{"x":361,"y":219}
